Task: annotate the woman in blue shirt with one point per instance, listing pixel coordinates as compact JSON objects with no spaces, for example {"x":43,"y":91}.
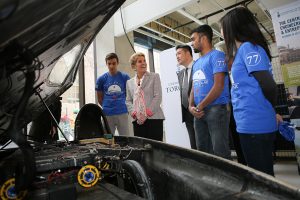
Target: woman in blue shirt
{"x":253,"y":89}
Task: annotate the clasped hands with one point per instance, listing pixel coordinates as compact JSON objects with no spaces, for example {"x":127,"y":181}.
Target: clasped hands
{"x":197,"y":111}
{"x":148,"y":112}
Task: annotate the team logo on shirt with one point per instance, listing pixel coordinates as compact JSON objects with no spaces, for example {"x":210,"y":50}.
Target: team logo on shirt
{"x":252,"y":58}
{"x":200,"y":77}
{"x":220,"y":62}
{"x":114,"y":89}
{"x":233,"y":84}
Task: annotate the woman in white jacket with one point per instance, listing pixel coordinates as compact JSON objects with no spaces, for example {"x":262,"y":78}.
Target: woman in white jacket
{"x":143,"y":99}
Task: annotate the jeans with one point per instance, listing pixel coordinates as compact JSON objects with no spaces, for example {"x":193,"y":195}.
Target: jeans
{"x":212,"y":131}
{"x":258,"y":149}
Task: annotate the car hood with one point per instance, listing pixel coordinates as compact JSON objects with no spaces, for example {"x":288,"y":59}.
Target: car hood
{"x":34,"y":36}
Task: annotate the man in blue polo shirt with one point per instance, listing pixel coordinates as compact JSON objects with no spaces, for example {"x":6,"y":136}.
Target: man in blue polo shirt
{"x":111,"y":93}
{"x":210,"y":95}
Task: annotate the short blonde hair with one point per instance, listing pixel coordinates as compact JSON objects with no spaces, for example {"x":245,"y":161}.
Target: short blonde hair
{"x":134,"y":58}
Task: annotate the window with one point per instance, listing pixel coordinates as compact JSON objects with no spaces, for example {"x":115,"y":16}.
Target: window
{"x":63,"y":66}
{"x":156,"y":58}
{"x":69,"y":109}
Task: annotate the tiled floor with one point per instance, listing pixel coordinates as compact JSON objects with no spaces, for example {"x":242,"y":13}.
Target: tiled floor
{"x":285,"y":168}
{"x":287,"y":171}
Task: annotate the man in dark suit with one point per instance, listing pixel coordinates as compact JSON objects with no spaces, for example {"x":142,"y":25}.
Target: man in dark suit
{"x":185,"y":58}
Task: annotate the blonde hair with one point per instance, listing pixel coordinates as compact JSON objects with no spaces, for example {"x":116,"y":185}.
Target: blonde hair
{"x":134,"y":58}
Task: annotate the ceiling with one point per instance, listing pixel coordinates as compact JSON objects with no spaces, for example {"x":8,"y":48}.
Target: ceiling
{"x":176,"y":26}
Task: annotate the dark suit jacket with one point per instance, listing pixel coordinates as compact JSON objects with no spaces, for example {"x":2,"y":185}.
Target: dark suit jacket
{"x":186,"y":115}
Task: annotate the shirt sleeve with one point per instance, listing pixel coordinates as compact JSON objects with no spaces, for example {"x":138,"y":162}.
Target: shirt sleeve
{"x":99,"y":84}
{"x":255,"y":58}
{"x":127,"y":77}
{"x":218,"y":62}
{"x":268,"y":85}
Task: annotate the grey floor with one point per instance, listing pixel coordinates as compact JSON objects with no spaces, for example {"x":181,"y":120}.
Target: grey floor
{"x":287,"y":171}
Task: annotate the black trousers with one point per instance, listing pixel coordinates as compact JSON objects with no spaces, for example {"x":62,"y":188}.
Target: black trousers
{"x":190,"y":128}
{"x":258,"y":149}
{"x":151,"y":129}
{"x":188,"y":119}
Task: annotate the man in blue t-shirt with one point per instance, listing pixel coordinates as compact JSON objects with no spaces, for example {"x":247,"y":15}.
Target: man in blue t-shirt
{"x":111,"y":93}
{"x":209,"y":97}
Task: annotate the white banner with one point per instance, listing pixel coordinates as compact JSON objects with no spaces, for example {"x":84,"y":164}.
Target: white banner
{"x":286,"y":22}
{"x":175,"y":131}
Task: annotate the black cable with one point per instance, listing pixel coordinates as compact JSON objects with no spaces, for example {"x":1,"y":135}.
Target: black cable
{"x":125,"y":31}
{"x":35,"y":65}
{"x":38,"y":66}
{"x":25,"y":171}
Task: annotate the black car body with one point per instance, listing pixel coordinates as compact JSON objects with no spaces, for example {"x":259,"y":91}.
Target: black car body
{"x":34,"y":35}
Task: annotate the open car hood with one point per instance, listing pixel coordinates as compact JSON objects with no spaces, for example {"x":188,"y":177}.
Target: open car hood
{"x":35,"y":34}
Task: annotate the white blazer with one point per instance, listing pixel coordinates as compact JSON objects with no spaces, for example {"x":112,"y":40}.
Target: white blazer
{"x":152,"y":93}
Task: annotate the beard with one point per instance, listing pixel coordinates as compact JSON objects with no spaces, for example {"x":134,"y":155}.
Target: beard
{"x":196,"y":50}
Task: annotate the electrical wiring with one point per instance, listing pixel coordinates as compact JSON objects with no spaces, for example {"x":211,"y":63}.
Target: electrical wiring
{"x":125,"y":31}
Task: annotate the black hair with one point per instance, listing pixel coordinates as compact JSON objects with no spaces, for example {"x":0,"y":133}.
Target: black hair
{"x":239,"y":25}
{"x":111,"y":56}
{"x":205,"y":30}
{"x":185,"y":47}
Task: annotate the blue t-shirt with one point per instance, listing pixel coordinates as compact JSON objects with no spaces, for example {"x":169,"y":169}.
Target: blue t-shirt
{"x":253,"y":113}
{"x":114,"y":92}
{"x":203,"y":76}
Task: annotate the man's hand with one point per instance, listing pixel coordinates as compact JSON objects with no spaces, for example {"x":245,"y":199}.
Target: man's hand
{"x":199,"y":107}
{"x":196,"y":112}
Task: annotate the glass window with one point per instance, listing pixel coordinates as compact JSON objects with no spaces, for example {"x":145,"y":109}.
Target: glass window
{"x":63,"y":66}
{"x":156,"y":57}
{"x":89,"y":71}
{"x":69,"y":110}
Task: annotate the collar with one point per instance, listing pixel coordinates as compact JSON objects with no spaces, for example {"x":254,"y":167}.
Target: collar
{"x":190,"y":65}
{"x":141,"y":80}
